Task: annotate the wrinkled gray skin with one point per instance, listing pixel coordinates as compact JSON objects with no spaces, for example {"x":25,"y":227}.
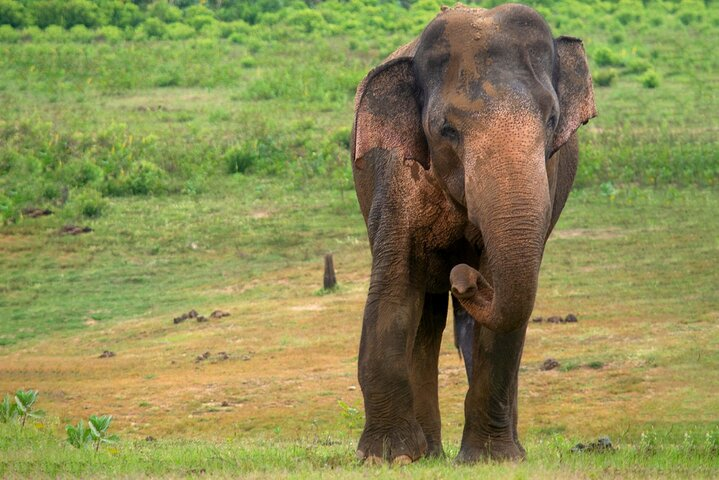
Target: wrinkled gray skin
{"x":463,"y":154}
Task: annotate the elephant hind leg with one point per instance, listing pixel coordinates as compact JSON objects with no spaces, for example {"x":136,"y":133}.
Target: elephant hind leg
{"x":424,"y":371}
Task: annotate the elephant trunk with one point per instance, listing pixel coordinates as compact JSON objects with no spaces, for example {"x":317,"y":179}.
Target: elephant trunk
{"x":508,"y":199}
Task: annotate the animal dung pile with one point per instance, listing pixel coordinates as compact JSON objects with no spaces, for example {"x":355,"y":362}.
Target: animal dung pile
{"x":549,"y":364}
{"x":74,"y":230}
{"x":570,"y":318}
{"x":199,"y":318}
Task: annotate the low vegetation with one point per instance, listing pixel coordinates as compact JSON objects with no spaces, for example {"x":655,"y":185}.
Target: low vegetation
{"x":110,"y":98}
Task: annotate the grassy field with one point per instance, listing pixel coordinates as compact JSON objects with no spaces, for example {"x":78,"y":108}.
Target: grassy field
{"x":640,"y":366}
{"x":212,"y":165}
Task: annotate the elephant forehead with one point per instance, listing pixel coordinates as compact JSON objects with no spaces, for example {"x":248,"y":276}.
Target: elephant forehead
{"x":479,"y":54}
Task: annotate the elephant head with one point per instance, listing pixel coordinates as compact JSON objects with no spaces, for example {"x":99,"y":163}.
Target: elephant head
{"x":483,"y":100}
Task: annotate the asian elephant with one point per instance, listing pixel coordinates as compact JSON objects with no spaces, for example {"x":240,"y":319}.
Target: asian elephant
{"x":463,"y":153}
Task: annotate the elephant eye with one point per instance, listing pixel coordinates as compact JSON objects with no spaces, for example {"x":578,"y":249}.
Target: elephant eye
{"x":552,"y":122}
{"x":449,"y":132}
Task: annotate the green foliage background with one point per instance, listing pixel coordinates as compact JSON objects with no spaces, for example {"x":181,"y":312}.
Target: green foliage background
{"x":111,"y":98}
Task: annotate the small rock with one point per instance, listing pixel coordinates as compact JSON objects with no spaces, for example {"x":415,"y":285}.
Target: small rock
{"x":107,"y":354}
{"x":223,"y":356}
{"x":201,"y":319}
{"x":537,"y":320}
{"x":351,"y":388}
{"x":245,"y":357}
{"x":549,"y":364}
{"x":555,"y":319}
{"x":219,"y":314}
{"x":571,"y":318}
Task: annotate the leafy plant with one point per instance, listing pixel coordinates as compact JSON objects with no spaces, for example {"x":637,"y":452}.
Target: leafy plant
{"x":650,"y":79}
{"x":98,"y":430}
{"x":8,"y":409}
{"x":24,"y":402}
{"x":78,"y":436}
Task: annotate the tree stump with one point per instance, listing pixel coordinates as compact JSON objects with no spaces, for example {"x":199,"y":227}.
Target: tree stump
{"x":330,"y":281}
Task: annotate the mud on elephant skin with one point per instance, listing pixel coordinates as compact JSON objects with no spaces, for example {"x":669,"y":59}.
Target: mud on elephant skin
{"x":463,"y":153}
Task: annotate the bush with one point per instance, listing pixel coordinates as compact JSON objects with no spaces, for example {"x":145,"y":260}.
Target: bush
{"x":79,"y":173}
{"x":80,"y":33}
{"x":13,"y":13}
{"x":605,"y":57}
{"x":154,"y":28}
{"x":165,"y":12}
{"x":604,"y":78}
{"x":8,"y":34}
{"x":650,"y":79}
{"x":179,"y":31}
{"x":88,"y":203}
{"x":109,"y":33}
{"x":145,"y":178}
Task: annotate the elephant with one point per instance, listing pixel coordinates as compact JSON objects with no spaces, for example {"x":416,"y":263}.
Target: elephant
{"x":463,"y":150}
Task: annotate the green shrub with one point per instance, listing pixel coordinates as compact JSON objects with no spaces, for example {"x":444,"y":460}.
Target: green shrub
{"x":55,"y":33}
{"x":9,"y":34}
{"x":154,"y":28}
{"x":13,"y":13}
{"x":87,"y":203}
{"x":605,"y":77}
{"x":80,"y":33}
{"x":201,"y":21}
{"x":109,"y":33}
{"x":179,"y":31}
{"x":637,"y":65}
{"x":650,"y":79}
{"x":248,"y":61}
{"x":81,"y":172}
{"x":145,"y":178}
{"x":165,"y":12}
{"x":605,"y":57}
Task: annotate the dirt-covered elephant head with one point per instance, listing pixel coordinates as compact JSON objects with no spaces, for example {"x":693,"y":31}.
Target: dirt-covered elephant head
{"x":484,"y":99}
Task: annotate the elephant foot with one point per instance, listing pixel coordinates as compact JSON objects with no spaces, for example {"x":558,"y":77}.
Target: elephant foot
{"x":491,"y":450}
{"x":400,"y":446}
{"x":434,"y":450}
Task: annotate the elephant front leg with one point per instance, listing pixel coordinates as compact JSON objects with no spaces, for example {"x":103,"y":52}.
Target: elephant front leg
{"x":391,"y":430}
{"x":490,"y":430}
{"x":425,"y":359}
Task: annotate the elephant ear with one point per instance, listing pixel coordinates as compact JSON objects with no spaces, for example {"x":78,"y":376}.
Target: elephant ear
{"x":574,"y":89}
{"x":387,"y":115}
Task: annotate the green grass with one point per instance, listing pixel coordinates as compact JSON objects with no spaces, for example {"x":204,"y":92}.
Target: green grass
{"x":688,"y":454}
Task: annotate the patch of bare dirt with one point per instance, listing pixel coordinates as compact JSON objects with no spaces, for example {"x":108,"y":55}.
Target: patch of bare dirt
{"x":310,"y":307}
{"x":591,"y":233}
